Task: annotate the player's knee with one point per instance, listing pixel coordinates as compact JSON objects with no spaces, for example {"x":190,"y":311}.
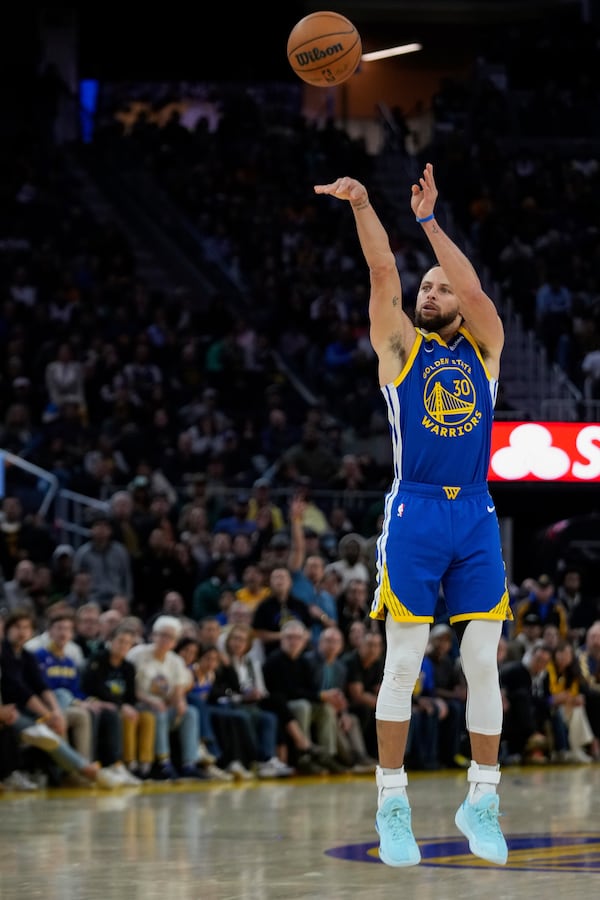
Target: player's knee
{"x":478,"y":651}
{"x":394,"y":700}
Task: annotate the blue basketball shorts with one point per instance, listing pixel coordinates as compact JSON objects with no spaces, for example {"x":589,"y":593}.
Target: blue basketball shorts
{"x":434,"y":535}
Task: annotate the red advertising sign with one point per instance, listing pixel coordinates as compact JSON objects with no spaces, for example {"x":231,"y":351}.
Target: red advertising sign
{"x":545,"y":452}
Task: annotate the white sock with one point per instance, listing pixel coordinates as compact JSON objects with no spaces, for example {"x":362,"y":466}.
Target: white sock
{"x":390,"y":783}
{"x":477,"y":789}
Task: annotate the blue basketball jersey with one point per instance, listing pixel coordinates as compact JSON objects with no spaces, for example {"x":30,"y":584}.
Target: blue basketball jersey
{"x":440,"y":525}
{"x":440,"y":412}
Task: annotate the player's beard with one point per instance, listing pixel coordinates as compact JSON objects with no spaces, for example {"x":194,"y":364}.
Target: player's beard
{"x":435,"y":322}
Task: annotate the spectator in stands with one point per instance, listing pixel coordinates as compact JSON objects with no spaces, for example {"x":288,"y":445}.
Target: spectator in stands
{"x":279,"y":607}
{"x":85,"y":722}
{"x":12,"y":764}
{"x":172,"y":604}
{"x":582,"y":609}
{"x":238,"y":649}
{"x":106,"y":560}
{"x":135,"y":625}
{"x":236,"y":689}
{"x":353,"y":605}
{"x":237,"y":521}
{"x":195,"y":534}
{"x":339,"y":522}
{"x":354,"y":637}
{"x":87,"y":628}
{"x":278,"y":435}
{"x":126,"y":528}
{"x":64,"y":379}
{"x":449,"y":685}
{"x":526,"y":712}
{"x":276,"y":551}
{"x":233,"y":744}
{"x":23,"y":684}
{"x":15,"y":734}
{"x":18,"y":591}
{"x":43,"y":639}
{"x":543,"y":602}
{"x":109,"y":677}
{"x":427,"y":713}
{"x":207,"y":594}
{"x":210,"y":630}
{"x":81,"y":587}
{"x":22,"y":537}
{"x":62,"y":572}
{"x":290,"y":672}
{"x":365,"y":672}
{"x":332,"y":674}
{"x":351,"y":564}
{"x":310,"y":458}
{"x":260,"y":498}
{"x":16,"y":431}
{"x":140,"y":489}
{"x":313,"y":517}
{"x":588,"y":661}
{"x":105,"y":465}
{"x":307,"y":576}
{"x":523,"y":641}
{"x":243,"y":551}
{"x":564,"y":687}
{"x":590,"y":369}
{"x":254,"y":587}
{"x":553,"y":308}
{"x":120,"y":604}
{"x":110,"y":619}
{"x":159,"y":571}
{"x":190,"y":649}
{"x":162,"y":682}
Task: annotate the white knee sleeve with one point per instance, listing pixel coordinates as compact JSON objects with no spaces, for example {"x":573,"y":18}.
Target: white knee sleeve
{"x":478,"y":654}
{"x":406,"y":645}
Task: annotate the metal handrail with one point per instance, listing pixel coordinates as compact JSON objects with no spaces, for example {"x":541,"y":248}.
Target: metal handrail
{"x":6,"y":457}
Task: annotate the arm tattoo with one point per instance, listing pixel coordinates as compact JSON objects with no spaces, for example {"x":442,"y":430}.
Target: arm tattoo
{"x":362,"y":204}
{"x":395,"y":300}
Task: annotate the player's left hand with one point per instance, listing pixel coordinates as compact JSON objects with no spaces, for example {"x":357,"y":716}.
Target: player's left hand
{"x":424,"y":194}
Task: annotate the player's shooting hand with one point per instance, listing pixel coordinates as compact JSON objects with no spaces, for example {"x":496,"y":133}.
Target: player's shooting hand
{"x":345,"y":189}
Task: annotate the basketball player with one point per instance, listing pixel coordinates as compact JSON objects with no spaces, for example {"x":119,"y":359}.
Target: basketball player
{"x":439,"y":380}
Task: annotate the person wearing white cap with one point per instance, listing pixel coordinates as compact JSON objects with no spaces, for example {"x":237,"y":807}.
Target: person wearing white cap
{"x":161,"y":682}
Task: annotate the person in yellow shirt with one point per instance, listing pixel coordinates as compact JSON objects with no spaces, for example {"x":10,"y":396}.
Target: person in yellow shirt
{"x":260,"y":500}
{"x":254,"y":587}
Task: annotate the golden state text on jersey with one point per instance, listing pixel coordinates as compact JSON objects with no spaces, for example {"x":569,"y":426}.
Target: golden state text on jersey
{"x":440,"y":412}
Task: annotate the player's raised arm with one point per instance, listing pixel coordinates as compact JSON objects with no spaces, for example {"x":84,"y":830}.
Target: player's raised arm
{"x":478,"y":310}
{"x":392,"y":333}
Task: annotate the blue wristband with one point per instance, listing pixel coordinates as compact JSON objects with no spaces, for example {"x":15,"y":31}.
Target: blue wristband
{"x":426,"y":219}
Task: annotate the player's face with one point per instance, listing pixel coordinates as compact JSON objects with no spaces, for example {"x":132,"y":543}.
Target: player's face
{"x":437,"y":305}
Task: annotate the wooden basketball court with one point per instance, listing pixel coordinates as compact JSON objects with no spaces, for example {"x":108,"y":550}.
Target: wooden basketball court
{"x":296,"y":839}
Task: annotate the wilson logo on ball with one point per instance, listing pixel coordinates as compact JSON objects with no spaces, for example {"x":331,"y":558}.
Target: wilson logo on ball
{"x":317,"y":54}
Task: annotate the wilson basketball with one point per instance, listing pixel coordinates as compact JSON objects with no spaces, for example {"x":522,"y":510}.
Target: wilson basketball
{"x":324,"y":49}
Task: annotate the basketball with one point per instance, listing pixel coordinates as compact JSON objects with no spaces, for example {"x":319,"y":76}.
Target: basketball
{"x":324,"y":49}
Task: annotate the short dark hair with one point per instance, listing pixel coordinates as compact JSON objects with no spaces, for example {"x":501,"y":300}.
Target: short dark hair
{"x":186,"y":641}
{"x":60,"y":615}
{"x":17,"y":615}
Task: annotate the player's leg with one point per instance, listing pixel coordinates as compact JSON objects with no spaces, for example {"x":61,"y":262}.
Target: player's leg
{"x":477,"y":817}
{"x":404,"y":653}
